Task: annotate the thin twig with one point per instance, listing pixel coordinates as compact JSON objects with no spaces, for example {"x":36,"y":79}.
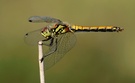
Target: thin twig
{"x":41,"y":64}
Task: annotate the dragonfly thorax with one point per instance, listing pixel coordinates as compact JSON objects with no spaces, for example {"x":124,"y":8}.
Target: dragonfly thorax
{"x":55,"y":30}
{"x":60,"y":29}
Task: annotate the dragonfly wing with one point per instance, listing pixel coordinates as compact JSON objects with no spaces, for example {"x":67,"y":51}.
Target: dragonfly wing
{"x":33,"y":37}
{"x":37,"y":19}
{"x":65,"y":43}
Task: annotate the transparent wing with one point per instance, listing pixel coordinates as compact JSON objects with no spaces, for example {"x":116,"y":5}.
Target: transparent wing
{"x":33,"y":37}
{"x":65,"y":43}
{"x":37,"y":19}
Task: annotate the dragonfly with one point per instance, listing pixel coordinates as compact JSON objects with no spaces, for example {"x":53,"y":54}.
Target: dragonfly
{"x":59,"y":37}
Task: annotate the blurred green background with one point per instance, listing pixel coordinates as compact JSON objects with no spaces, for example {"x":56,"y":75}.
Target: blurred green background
{"x":96,"y":58}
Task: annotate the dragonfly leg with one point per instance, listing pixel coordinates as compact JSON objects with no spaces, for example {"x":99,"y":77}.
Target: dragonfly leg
{"x":56,"y":42}
{"x":51,"y":42}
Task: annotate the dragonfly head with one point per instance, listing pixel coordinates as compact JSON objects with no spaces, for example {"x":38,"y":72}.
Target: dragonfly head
{"x":45,"y":33}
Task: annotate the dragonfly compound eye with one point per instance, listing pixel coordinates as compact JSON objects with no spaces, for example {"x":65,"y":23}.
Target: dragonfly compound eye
{"x":45,"y":32}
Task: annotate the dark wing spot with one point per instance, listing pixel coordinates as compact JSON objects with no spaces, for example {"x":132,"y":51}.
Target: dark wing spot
{"x":26,"y":34}
{"x":30,"y":20}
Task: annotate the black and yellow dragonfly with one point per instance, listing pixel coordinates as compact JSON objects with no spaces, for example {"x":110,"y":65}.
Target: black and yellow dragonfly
{"x":59,"y":36}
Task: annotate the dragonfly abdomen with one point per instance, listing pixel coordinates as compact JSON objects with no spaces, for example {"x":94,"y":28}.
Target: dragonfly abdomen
{"x":96,"y":28}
